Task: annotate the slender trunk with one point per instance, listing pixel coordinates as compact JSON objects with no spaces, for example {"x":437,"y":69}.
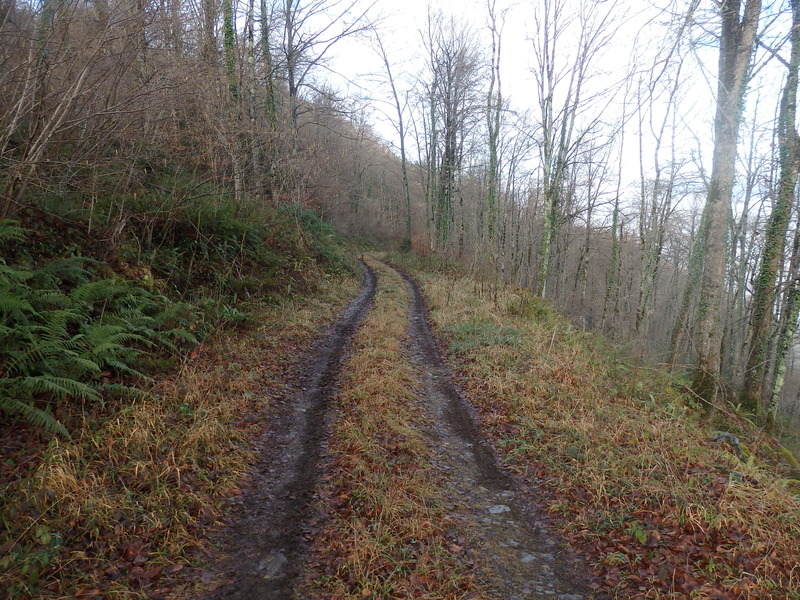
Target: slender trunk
{"x":787,"y":328}
{"x":761,"y":317}
{"x":693,"y":277}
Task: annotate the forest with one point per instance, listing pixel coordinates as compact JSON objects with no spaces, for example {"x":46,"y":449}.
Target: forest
{"x":175,"y":174}
{"x":119,"y":113}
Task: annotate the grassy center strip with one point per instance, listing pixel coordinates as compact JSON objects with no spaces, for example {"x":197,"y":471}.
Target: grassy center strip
{"x":121,"y":510}
{"x":386,"y":534}
{"x":632,"y":470}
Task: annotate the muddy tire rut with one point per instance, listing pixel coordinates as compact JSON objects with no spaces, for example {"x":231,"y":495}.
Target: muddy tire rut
{"x":521,"y":558}
{"x":266,"y":547}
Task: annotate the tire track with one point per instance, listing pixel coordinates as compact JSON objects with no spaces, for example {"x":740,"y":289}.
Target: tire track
{"x":522,"y":559}
{"x":265,"y":545}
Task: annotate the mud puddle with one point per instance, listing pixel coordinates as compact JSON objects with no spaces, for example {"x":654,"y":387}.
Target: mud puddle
{"x":523,"y":561}
{"x":264,"y":546}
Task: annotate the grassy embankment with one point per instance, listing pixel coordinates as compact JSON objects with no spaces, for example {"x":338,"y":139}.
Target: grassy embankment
{"x":119,"y":506}
{"x":621,"y":456}
{"x":384,"y":531}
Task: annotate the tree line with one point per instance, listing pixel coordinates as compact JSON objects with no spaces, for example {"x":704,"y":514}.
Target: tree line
{"x":656,"y":212}
{"x":666,"y":222}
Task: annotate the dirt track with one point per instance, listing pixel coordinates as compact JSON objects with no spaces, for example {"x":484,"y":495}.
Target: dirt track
{"x":265,"y":546}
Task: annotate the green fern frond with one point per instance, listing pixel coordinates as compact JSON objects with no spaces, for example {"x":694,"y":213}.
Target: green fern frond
{"x":37,"y":351}
{"x":101,"y":334}
{"x":56,"y":322}
{"x":10,"y":231}
{"x":31,"y":414}
{"x":50,"y":299}
{"x":124,"y":368}
{"x":119,"y":390}
{"x":14,"y":306}
{"x":71,"y":269}
{"x":57,"y":387}
{"x":13,"y":275}
{"x":72,"y":365}
{"x":95,"y":291}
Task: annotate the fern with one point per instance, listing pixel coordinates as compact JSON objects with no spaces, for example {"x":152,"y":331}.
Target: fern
{"x":57,"y":387}
{"x":31,"y":414}
{"x":12,"y":275}
{"x":54,"y":345}
{"x":14,"y":306}
{"x":122,"y":367}
{"x":118,"y":390}
{"x":92,"y":292}
{"x":71,"y":269}
{"x":10,"y":231}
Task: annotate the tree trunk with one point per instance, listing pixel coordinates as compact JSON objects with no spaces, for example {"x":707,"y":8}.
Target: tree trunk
{"x":761,"y":316}
{"x":737,"y":38}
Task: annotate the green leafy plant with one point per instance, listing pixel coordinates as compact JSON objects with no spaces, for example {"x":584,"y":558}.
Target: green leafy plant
{"x":64,"y":331}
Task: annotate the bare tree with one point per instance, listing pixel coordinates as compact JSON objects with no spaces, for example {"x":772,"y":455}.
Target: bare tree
{"x":455,"y":71}
{"x":739,"y":23}
{"x":401,"y":132}
{"x":561,"y":89}
{"x":310,"y":30}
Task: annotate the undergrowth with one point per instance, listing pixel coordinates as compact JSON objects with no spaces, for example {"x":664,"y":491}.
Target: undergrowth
{"x":121,"y":509}
{"x":635,"y":473}
{"x":70,"y":335}
{"x":119,"y":439}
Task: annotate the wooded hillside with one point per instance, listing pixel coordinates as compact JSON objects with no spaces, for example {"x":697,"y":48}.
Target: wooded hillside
{"x":146,"y":126}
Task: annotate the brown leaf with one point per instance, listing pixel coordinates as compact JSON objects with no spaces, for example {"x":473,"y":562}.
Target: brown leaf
{"x":172,"y":569}
{"x":153,"y":573}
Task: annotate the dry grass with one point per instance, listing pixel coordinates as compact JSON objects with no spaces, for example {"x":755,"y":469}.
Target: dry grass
{"x":128,"y":499}
{"x":386,"y":534}
{"x":630,"y":469}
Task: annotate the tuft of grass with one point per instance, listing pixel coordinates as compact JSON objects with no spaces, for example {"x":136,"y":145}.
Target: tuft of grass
{"x":474,"y":334}
{"x":386,"y":533}
{"x":630,"y":470}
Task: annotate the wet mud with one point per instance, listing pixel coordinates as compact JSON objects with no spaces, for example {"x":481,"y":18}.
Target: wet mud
{"x":515,"y":552}
{"x":522,"y":559}
{"x":263,"y":548}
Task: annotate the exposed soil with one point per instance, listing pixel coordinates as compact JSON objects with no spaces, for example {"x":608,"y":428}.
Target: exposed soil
{"x":524,"y":560}
{"x":264,"y":546}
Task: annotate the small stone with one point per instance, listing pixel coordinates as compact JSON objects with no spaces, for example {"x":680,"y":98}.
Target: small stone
{"x":570,"y":597}
{"x":545,"y":556}
{"x":498,"y":509}
{"x":527,"y":557}
{"x":512,"y":542}
{"x":273,"y":564}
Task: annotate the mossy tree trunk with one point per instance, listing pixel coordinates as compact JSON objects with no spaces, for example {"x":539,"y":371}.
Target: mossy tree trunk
{"x":787,"y":327}
{"x":762,"y":312}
